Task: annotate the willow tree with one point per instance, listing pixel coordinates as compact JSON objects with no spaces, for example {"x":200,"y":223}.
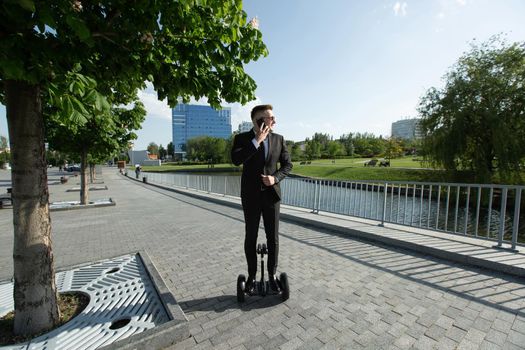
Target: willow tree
{"x":476,"y":121}
{"x":184,"y":48}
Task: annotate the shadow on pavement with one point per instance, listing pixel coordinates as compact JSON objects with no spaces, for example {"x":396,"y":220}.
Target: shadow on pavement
{"x":222,"y":303}
{"x":493,"y":289}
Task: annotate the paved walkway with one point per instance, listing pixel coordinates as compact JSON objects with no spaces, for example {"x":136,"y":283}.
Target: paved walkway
{"x":345,"y":293}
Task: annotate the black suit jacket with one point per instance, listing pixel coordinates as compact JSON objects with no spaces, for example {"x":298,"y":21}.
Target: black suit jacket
{"x":244,"y":152}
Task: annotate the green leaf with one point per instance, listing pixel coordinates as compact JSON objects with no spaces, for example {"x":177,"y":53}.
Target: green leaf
{"x":79,"y":27}
{"x":28,"y":5}
{"x":79,"y":106}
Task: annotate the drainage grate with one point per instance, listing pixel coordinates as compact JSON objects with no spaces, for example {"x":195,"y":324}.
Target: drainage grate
{"x":6,"y":298}
{"x":123,"y":302}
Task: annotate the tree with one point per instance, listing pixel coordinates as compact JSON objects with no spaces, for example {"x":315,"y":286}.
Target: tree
{"x":153,"y":148}
{"x":347,"y":143}
{"x":162,"y":152}
{"x":4,"y":154}
{"x":171,"y":150}
{"x":3,"y":143}
{"x":101,"y":133}
{"x":207,"y":148}
{"x":312,"y":149}
{"x":476,"y":121}
{"x":393,"y":148}
{"x":334,"y":148}
{"x":185,"y":48}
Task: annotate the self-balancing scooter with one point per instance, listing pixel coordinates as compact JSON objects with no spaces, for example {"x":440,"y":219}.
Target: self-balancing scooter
{"x":263,"y":286}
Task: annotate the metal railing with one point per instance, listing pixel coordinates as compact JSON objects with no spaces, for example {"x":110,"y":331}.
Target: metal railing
{"x":490,"y":212}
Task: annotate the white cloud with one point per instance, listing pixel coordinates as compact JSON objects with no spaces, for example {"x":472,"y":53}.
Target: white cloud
{"x":462,"y":2}
{"x":400,"y":8}
{"x":241,"y":113}
{"x":154,"y":107}
{"x":440,"y":15}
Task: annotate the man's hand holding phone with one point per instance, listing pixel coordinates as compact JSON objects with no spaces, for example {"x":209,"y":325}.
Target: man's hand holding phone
{"x":263,"y":131}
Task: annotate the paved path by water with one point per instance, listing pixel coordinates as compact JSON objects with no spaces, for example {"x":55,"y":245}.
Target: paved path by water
{"x":345,"y":293}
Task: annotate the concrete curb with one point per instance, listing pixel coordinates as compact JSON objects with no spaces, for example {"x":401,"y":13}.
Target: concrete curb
{"x":86,"y":206}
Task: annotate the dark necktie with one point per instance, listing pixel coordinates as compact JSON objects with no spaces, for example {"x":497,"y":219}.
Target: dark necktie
{"x":263,"y":152}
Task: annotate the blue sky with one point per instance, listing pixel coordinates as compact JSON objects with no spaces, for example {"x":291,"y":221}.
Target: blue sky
{"x":341,"y":66}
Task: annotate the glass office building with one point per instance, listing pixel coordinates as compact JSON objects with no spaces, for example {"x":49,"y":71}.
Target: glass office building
{"x":406,"y":129}
{"x":189,"y":121}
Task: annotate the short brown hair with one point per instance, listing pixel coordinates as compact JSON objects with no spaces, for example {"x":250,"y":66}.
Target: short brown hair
{"x":260,"y":108}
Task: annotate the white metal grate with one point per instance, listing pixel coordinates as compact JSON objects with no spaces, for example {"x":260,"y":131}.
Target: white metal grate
{"x":123,"y":302}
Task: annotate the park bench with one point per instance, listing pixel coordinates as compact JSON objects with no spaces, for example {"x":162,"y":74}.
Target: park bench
{"x":371,"y":162}
{"x":384,"y":163}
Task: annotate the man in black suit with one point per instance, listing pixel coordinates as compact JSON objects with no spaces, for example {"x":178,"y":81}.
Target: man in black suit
{"x":259,"y":150}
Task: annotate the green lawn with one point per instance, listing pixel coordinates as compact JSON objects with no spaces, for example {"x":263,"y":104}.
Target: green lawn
{"x":401,"y":169}
{"x":371,"y":173}
{"x":405,"y":162}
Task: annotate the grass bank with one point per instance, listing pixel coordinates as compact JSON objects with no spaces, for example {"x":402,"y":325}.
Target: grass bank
{"x":376,"y":173}
{"x":402,"y":169}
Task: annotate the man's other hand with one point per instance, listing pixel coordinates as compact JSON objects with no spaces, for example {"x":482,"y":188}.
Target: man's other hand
{"x":268,"y":180}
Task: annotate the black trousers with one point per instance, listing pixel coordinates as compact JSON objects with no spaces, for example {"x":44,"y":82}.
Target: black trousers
{"x":261,"y":204}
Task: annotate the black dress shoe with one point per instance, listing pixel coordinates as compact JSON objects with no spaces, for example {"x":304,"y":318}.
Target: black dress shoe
{"x":274,"y":286}
{"x":250,"y":286}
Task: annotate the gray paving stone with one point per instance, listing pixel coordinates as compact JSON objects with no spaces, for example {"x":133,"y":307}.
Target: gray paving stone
{"x":425,"y":343}
{"x":502,"y":326}
{"x":518,"y":326}
{"x":516,"y":338}
{"x":496,"y":337}
{"x":510,"y":346}
{"x":456,"y":334}
{"x":291,"y":344}
{"x":346,"y":293}
{"x":446,"y":344}
{"x":466,"y":344}
{"x":486,"y":345}
{"x":435,"y":332}
{"x":482,"y":324}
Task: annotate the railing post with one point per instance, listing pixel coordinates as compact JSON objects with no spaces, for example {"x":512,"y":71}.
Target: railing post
{"x":503,"y":208}
{"x":209,"y":184}
{"x":314,"y":204}
{"x":382,"y":224}
{"x":225,"y":180}
{"x":319,"y":197}
{"x":516,"y":223}
{"x":187,"y":181}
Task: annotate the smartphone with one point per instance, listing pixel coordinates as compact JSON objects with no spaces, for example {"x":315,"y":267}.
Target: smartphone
{"x":260,"y":123}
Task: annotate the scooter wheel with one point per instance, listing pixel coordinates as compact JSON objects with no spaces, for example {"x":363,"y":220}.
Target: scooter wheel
{"x":241,"y":287}
{"x":285,"y":294}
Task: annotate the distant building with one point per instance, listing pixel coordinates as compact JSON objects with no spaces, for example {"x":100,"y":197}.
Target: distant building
{"x":245,"y":126}
{"x":406,"y":129}
{"x":189,"y":121}
{"x":142,"y":158}
{"x":137,"y":157}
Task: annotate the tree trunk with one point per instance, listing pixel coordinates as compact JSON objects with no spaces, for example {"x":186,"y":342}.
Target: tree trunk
{"x":84,"y":192}
{"x":35,"y":294}
{"x":92,"y":176}
{"x":84,"y":196}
